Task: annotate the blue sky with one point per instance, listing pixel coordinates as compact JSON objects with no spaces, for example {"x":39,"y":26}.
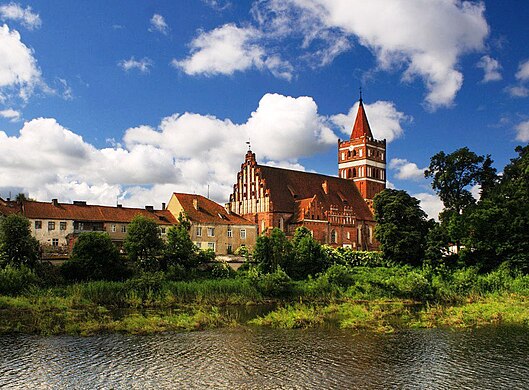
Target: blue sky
{"x":133,"y":100}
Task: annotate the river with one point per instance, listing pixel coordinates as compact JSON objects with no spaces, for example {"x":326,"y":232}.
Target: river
{"x":263,"y":358}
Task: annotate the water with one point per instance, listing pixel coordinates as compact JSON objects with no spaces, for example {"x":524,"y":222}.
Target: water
{"x":261,"y":358}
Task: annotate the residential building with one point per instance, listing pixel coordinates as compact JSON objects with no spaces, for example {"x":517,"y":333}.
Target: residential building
{"x":212,"y":226}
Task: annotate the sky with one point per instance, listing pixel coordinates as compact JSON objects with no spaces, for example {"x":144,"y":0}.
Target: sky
{"x":128,"y":101}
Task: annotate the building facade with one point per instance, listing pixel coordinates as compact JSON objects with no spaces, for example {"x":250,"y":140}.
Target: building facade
{"x":212,"y":226}
{"x":337,"y":210}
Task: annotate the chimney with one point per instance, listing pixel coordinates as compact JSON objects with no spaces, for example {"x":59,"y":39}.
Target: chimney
{"x":195,"y":203}
{"x":119,"y":206}
{"x":79,"y":202}
{"x":325,"y":187}
{"x":55,"y":202}
{"x":149,"y":208}
{"x":163,"y":205}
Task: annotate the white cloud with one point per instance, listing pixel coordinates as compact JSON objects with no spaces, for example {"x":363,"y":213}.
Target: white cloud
{"x":228,"y":49}
{"x":19,"y":72}
{"x":187,"y":152}
{"x":218,"y":5}
{"x":523,"y":71}
{"x":517,"y":91}
{"x":406,"y":170}
{"x":427,"y":38}
{"x":25,"y":16}
{"x":384,"y":119}
{"x":12,"y":115}
{"x":431,"y":204}
{"x":144,"y":65}
{"x":158,"y":24}
{"x":491,"y":69}
{"x":522,"y":131}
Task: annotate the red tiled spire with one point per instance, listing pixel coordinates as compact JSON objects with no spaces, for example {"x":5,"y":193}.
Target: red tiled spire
{"x":361,"y":127}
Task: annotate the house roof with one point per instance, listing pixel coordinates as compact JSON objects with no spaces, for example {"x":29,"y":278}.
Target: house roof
{"x":289,"y":190}
{"x":92,"y":213}
{"x":8,"y":207}
{"x":361,"y":127}
{"x":208,"y":211}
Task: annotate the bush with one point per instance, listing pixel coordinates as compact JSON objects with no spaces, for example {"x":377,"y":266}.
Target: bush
{"x":352,"y":258}
{"x":339,"y":275}
{"x":276,"y":284}
{"x":15,"y":281}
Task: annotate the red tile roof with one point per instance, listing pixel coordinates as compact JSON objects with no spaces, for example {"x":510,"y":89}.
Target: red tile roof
{"x":361,"y":127}
{"x":290,"y":190}
{"x":8,"y":207}
{"x":208,"y":211}
{"x":93,"y":213}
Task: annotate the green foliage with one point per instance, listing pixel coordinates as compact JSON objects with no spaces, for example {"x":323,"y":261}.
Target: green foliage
{"x":352,"y":258}
{"x":143,"y":243}
{"x":308,"y":256}
{"x":401,"y":227}
{"x":94,"y":257}
{"x":17,"y":280}
{"x":17,"y":246}
{"x":275,"y":284}
{"x":272,"y":251}
{"x":179,"y":249}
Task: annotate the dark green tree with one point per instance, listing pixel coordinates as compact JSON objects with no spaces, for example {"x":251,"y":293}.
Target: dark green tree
{"x":308,"y":256}
{"x":17,"y":246}
{"x":143,"y":243}
{"x":272,"y":251}
{"x":179,"y":249}
{"x":94,"y":257}
{"x":401,"y":228}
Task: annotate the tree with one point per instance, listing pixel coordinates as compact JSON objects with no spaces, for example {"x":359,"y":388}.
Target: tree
{"x":179,"y":248}
{"x":453,"y":175}
{"x":401,"y":228}
{"x":143,"y":243}
{"x":17,"y":246}
{"x":94,"y":257}
{"x":272,"y":251}
{"x":308,"y":257}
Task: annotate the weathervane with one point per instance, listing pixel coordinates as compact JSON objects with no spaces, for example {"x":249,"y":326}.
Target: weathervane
{"x":360,"y":93}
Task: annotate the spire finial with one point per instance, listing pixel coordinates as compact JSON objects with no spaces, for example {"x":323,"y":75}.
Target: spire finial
{"x":360,"y":94}
{"x":249,"y":144}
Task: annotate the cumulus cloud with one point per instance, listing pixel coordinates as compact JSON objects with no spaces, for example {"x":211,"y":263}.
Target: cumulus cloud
{"x":491,"y":69}
{"x":523,"y":71}
{"x":228,"y":49}
{"x":12,"y":115}
{"x":426,"y":38}
{"x":384,"y":119}
{"x":522,"y":131}
{"x":430,"y":203}
{"x":19,"y":72}
{"x":144,"y":65}
{"x":158,"y":24}
{"x":185,"y":152}
{"x":25,"y":16}
{"x":406,"y":170}
{"x":517,"y":91}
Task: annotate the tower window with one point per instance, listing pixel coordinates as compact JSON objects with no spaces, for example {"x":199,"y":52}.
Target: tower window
{"x":354,"y":172}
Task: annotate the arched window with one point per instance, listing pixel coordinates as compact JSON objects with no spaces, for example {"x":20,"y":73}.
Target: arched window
{"x":354,"y":152}
{"x":334,"y":239}
{"x":354,"y":172}
{"x":349,"y":173}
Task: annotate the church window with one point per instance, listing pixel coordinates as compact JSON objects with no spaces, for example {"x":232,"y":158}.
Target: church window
{"x":354,"y":152}
{"x":354,"y":172}
{"x":334,"y":239}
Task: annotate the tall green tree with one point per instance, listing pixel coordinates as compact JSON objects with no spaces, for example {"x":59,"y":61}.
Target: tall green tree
{"x":94,"y":257}
{"x":402,"y":226}
{"x":308,"y":256}
{"x":143,"y":243}
{"x":17,"y":246}
{"x":273,"y":251}
{"x":179,"y":248}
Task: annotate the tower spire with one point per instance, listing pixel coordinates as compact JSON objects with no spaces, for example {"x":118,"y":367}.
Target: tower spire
{"x":361,"y":127}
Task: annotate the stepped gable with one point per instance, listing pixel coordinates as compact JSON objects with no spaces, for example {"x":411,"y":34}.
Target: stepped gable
{"x":83,"y":212}
{"x":207,"y":211}
{"x":289,"y":190}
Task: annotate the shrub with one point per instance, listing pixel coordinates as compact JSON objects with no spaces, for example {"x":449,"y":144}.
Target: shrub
{"x":14,"y":281}
{"x":276,"y":284}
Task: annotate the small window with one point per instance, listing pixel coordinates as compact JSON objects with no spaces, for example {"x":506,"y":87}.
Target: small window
{"x":348,"y":235}
{"x":198,"y":245}
{"x":38,"y":225}
{"x":81,"y":226}
{"x":211,"y":232}
{"x":211,"y":245}
{"x":229,"y":250}
{"x":162,"y":229}
{"x":55,"y":242}
{"x":230,"y":232}
{"x":243,"y":234}
{"x":123,"y":228}
{"x":62,"y":226}
{"x":334,"y":239}
{"x":199,"y":231}
{"x":51,"y":225}
{"x":113,"y":228}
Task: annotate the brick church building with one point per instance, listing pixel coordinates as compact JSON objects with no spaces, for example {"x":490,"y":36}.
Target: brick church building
{"x":337,"y":210}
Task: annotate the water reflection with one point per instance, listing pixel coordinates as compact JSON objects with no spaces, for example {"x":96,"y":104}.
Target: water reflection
{"x":250,"y":358}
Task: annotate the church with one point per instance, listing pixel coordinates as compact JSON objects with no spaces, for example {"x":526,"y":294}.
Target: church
{"x":337,"y":210}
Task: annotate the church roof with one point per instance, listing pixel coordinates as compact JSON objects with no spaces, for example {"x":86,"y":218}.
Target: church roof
{"x":289,"y":189}
{"x":361,"y":127}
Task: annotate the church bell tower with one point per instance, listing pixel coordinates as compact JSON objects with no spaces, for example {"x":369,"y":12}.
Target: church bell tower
{"x":363,"y":158}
